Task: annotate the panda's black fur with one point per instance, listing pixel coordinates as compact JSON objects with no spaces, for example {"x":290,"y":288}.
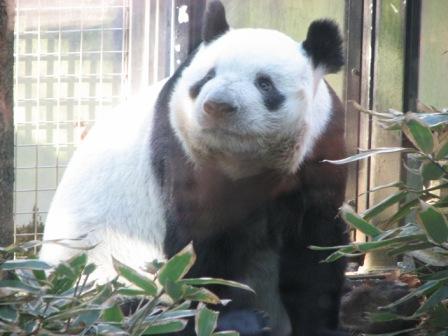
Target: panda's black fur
{"x":324,"y":45}
{"x":285,"y":214}
{"x":215,"y":23}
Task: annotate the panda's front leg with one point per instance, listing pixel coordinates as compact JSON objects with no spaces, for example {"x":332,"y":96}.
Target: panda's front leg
{"x":252,"y":314}
{"x":232,"y":256}
{"x":264,"y":308}
{"x":246,"y":322}
{"x":310,"y":289}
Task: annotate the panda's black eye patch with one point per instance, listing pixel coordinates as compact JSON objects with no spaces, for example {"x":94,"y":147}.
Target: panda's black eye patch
{"x":197,"y":87}
{"x":272,"y":97}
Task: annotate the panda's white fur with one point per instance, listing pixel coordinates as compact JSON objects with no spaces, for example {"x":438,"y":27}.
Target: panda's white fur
{"x":254,"y":132}
{"x":108,"y":190}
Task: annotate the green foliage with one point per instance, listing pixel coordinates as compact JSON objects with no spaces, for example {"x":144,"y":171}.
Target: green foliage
{"x":420,"y":209}
{"x":38,"y":299}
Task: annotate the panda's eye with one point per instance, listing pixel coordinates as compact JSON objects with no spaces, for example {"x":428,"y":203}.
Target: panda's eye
{"x":272,"y":97}
{"x":264,"y":83}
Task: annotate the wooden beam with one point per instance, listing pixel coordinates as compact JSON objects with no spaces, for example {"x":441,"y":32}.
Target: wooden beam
{"x":387,"y":92}
{"x":358,"y":78}
{"x":6,"y":121}
{"x":197,"y":8}
{"x":352,"y":89}
{"x":188,"y":17}
{"x":137,"y":46}
{"x":365,"y":121}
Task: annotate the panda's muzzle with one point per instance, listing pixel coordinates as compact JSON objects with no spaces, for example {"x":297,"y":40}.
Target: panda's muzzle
{"x":217,"y":108}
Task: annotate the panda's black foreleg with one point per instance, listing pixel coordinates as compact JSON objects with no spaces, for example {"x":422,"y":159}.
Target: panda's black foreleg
{"x":246,"y":322}
{"x":232,"y":256}
{"x":311,"y":290}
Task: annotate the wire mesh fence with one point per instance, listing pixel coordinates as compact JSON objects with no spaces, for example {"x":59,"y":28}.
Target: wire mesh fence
{"x":70,"y":62}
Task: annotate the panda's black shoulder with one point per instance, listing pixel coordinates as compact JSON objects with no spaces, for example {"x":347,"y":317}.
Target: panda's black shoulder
{"x":325,"y":181}
{"x":163,"y":141}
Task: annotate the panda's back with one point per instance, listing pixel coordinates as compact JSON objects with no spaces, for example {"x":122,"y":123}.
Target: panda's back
{"x":97,"y":194}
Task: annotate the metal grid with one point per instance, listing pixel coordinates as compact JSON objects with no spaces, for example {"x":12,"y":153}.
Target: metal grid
{"x":69,"y":63}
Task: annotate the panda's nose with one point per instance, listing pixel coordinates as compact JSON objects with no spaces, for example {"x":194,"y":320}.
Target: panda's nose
{"x":216,"y":108}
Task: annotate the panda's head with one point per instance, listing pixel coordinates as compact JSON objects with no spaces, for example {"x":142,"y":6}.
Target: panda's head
{"x":254,"y":99}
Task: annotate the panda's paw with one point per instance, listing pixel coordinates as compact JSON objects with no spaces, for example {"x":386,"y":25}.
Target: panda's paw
{"x":326,"y":332}
{"x":246,"y":322}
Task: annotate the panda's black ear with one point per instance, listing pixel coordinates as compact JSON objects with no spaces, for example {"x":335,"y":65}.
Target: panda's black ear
{"x":324,"y":45}
{"x":215,"y":22}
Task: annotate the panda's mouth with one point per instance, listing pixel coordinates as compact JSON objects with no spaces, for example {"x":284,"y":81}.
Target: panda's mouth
{"x":221,"y":132}
{"x":214,"y":124}
{"x":224,"y":128}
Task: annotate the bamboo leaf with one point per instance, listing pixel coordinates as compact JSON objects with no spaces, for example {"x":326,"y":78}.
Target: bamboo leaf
{"x":87,"y":319}
{"x":135,"y":278}
{"x":383,"y":316}
{"x":89,"y":269}
{"x":108,"y":329}
{"x":410,"y":247}
{"x":340,"y":254}
{"x":396,"y":184}
{"x":381,"y":244}
{"x":403,"y":211}
{"x":438,"y":296}
{"x":435,"y":276}
{"x":442,"y":203}
{"x":206,"y":321}
{"x":439,"y":316}
{"x":213,"y":281}
{"x":442,"y":150}
{"x":171,"y":314}
{"x":419,"y":134}
{"x":113,"y":314}
{"x":433,"y":119}
{"x":200,"y":295}
{"x":178,"y":265}
{"x":434,"y":223}
{"x":328,"y":248}
{"x":77,"y":263}
{"x":130,"y":292}
{"x":16,"y":285}
{"x":431,"y":171}
{"x":422,"y":290}
{"x":165,"y":327}
{"x":384,"y":204}
{"x":174,"y":289}
{"x":30,"y":264}
{"x":373,"y":245}
{"x":70,"y":313}
{"x":8,"y":314}
{"x":369,"y":153}
{"x":349,"y":215}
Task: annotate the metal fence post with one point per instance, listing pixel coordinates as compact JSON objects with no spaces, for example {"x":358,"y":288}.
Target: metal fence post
{"x":6,"y":121}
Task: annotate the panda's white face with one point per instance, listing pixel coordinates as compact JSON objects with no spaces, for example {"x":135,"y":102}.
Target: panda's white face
{"x":245,"y":102}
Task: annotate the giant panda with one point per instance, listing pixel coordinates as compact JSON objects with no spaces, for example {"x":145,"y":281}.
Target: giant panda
{"x":228,"y":153}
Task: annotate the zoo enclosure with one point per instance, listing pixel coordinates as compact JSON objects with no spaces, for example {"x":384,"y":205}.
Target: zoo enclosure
{"x":74,"y":58}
